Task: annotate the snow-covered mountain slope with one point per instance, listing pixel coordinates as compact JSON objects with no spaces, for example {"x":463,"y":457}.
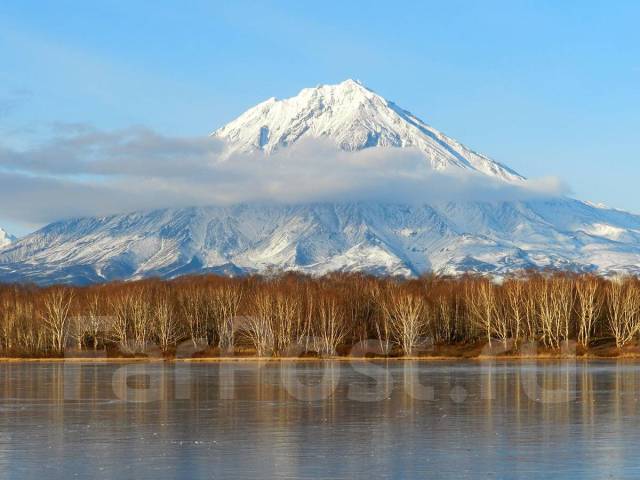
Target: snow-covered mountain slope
{"x":382,"y":239}
{"x":6,"y":239}
{"x":354,"y":117}
{"x":446,"y":237}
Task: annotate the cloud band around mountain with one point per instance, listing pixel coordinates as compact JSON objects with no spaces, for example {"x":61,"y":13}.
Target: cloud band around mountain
{"x":82,"y":171}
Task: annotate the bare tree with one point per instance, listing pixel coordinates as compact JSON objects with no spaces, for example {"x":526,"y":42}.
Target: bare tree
{"x":443,"y":331}
{"x":515,"y":306}
{"x":167,"y":328}
{"x":78,"y":330}
{"x":381,"y":322}
{"x":623,"y":303}
{"x":287,"y":316}
{"x":330,"y":325}
{"x":195,"y":310}
{"x":29,"y":336}
{"x":120,"y":324}
{"x":589,"y":305}
{"x":8,"y":322}
{"x":483,"y":307}
{"x":96,"y":321}
{"x":530,"y":310}
{"x":225,"y":308}
{"x":260,"y":323}
{"x":141,"y":320}
{"x":90,"y":324}
{"x":407,"y":316}
{"x":57,"y":304}
{"x":555,"y":305}
{"x":131,"y":326}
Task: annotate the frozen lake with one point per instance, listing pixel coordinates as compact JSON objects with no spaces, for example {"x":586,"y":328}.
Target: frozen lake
{"x":366,"y":420}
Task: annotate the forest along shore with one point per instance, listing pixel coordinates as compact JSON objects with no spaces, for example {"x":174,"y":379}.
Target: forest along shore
{"x":339,"y":316}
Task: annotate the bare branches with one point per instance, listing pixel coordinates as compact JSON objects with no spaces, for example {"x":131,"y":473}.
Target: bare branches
{"x":483,"y":307}
{"x":195,"y":309}
{"x":55,"y":316}
{"x":589,"y":305}
{"x":623,"y":303}
{"x":285,"y":314}
{"x":330,"y":327}
{"x":226,"y":301}
{"x":167,"y":329}
{"x":261,"y":323}
{"x":406,"y":313}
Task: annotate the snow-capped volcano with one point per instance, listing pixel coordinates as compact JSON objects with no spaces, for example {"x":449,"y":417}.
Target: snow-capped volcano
{"x":449,"y":236}
{"x":355,"y":118}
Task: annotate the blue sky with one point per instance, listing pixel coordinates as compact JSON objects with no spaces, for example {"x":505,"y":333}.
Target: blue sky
{"x":547,"y":87}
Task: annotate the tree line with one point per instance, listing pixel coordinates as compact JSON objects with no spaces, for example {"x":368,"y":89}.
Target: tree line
{"x":338,"y":314}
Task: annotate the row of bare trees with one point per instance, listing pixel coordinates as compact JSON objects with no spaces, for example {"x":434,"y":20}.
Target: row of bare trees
{"x":333,"y":315}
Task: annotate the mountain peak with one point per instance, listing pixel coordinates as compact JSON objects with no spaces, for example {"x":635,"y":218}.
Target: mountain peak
{"x":6,"y":239}
{"x":355,"y":118}
{"x":348,"y":93}
{"x":352,"y":82}
{"x":346,"y":86}
{"x":349,"y":85}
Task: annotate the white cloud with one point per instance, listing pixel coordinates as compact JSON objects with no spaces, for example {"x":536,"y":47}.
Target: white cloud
{"x":82,"y":171}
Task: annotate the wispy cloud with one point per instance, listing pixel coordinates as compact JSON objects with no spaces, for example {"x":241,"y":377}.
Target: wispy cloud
{"x":80,"y":170}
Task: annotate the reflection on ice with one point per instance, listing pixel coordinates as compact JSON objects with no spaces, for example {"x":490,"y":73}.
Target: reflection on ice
{"x":361,"y":419}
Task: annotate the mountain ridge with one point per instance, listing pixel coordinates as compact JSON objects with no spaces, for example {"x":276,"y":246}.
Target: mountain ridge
{"x":389,"y":239}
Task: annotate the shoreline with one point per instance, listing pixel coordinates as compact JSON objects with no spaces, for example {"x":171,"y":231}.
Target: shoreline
{"x":250,"y":359}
